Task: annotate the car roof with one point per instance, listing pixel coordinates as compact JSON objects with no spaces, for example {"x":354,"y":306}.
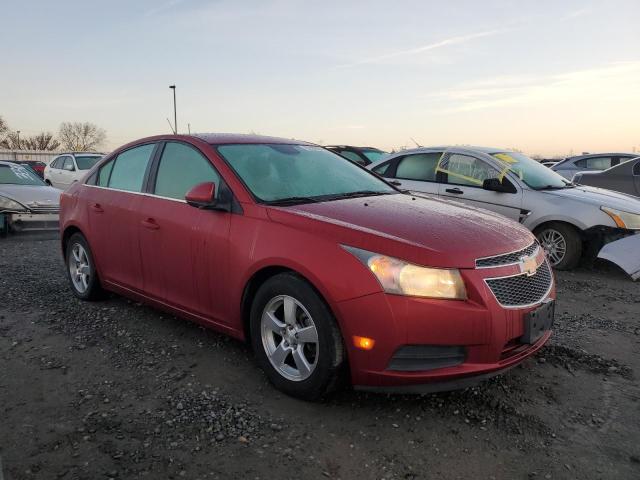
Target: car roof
{"x":468,"y":148}
{"x":235,"y":138}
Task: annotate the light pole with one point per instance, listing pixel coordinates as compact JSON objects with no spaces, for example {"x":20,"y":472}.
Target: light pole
{"x":175,"y":115}
{"x":18,"y":134}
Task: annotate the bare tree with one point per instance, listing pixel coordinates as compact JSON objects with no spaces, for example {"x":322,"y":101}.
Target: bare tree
{"x":3,"y":126}
{"x":41,"y":141}
{"x":11,"y":141}
{"x":81,"y":136}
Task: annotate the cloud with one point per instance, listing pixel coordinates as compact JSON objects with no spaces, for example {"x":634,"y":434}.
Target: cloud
{"x":424,"y":48}
{"x":163,"y":7}
{"x":612,"y":82}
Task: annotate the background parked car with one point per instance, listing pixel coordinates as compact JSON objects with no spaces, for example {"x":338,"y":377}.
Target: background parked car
{"x":360,"y":155}
{"x":590,"y":162}
{"x":36,"y":166}
{"x":68,"y":168}
{"x":27,"y":202}
{"x":624,"y":178}
{"x":564,"y":217}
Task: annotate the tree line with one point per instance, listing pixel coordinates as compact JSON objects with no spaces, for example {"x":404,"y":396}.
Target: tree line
{"x":72,"y":136}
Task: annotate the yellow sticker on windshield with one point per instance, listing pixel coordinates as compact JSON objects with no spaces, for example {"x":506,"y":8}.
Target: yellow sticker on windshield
{"x":505,"y":157}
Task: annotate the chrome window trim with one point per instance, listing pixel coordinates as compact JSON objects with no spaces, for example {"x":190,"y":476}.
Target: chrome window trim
{"x":516,"y":307}
{"x":144,"y":194}
{"x":534,"y":254}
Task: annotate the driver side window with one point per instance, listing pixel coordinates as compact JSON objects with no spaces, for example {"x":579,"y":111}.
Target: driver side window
{"x":466,"y":170}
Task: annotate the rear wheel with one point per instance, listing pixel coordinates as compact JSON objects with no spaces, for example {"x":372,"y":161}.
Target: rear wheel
{"x":81,"y":269}
{"x":295,"y":338}
{"x":562,"y":243}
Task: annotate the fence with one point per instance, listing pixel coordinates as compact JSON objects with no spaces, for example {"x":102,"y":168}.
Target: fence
{"x":28,"y":155}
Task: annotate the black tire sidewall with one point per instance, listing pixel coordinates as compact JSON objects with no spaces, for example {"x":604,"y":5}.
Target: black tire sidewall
{"x":94,"y":289}
{"x":573,"y":243}
{"x":330,"y":347}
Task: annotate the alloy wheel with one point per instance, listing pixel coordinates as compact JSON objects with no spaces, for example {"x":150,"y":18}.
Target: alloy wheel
{"x":554,"y":245}
{"x":79,"y":268}
{"x":289,"y":338}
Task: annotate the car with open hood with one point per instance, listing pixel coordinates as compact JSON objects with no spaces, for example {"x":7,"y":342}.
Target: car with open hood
{"x":328,"y":271}
{"x":26,"y":200}
{"x":567,"y":219}
{"x":623,"y":178}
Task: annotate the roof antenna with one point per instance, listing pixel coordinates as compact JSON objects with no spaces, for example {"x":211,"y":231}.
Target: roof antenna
{"x":417,"y":144}
{"x":171,"y":126}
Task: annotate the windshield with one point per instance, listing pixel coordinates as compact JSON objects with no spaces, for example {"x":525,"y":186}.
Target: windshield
{"x":373,"y":155}
{"x":534,"y":174}
{"x":274,"y":172}
{"x":85,"y":162}
{"x":18,"y":175}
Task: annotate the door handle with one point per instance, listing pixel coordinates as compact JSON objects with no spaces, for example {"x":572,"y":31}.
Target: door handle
{"x":395,"y":182}
{"x":97,"y":208}
{"x":455,"y":191}
{"x":150,"y":223}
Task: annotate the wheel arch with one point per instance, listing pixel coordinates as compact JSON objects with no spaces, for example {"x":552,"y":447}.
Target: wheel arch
{"x":66,"y":235}
{"x":258,"y":278}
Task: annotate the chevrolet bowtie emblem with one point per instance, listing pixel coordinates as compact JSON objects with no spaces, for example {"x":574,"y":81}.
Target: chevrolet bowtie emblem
{"x":528,"y":265}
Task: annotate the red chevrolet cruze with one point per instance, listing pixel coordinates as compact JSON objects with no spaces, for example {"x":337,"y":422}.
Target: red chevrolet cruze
{"x":328,"y":271}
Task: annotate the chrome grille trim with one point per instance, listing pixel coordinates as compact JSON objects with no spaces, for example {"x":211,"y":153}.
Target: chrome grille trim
{"x":505,"y":259}
{"x":522,"y":291}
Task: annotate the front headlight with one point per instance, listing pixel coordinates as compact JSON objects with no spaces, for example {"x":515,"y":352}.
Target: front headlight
{"x":402,"y":278}
{"x":6,"y":204}
{"x":623,"y":219}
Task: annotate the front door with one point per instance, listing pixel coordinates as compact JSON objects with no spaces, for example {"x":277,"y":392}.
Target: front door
{"x":184,"y":249}
{"x":462,"y":178}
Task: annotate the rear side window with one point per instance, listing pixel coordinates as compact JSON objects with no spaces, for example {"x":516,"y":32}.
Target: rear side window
{"x":595,"y":163}
{"x":353,"y":156}
{"x":105,"y":173}
{"x":55,"y":162}
{"x":129,"y":168}
{"x":68,"y":164}
{"x":182,"y":168}
{"x":382,"y":169}
{"x":421,"y":166}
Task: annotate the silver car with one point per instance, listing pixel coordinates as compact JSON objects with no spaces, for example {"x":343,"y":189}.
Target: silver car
{"x":27,"y":202}
{"x":565,"y":218}
{"x":623,"y":178}
{"x":591,"y":162}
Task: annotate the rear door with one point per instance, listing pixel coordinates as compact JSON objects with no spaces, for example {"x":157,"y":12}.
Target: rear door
{"x":415,"y":172}
{"x":184,"y":249}
{"x":462,"y":176}
{"x":114,"y":216}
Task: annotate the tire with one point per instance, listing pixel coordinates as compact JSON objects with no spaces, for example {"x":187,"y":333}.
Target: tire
{"x":48,"y":182}
{"x":553,"y":236}
{"x":85,"y":285}
{"x":290,"y":338}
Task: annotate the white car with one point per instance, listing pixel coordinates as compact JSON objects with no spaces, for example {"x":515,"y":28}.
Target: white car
{"x":68,"y":168}
{"x":566,"y":218}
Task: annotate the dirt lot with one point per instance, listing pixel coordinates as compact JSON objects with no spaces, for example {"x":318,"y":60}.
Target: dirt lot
{"x":118,"y":390}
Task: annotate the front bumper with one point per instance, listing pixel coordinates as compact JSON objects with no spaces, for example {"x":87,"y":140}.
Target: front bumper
{"x":489,"y":334}
{"x":33,"y":221}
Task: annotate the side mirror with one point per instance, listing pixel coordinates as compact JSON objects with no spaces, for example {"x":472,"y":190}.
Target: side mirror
{"x":495,"y":185}
{"x":202,"y":195}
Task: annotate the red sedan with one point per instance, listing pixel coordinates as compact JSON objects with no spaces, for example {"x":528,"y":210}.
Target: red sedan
{"x":328,"y":271}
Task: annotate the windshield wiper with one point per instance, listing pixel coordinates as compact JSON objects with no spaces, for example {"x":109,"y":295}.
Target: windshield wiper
{"x":291,"y":201}
{"x":356,"y":194}
{"x":555,"y":187}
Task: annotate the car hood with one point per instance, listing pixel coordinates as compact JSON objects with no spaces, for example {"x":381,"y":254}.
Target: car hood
{"x":28,"y":194}
{"x":426,"y":231}
{"x":599,"y":197}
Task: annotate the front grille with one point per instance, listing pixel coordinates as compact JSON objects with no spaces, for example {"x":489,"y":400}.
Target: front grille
{"x":45,"y":209}
{"x":507,"y":258}
{"x":522,"y":290}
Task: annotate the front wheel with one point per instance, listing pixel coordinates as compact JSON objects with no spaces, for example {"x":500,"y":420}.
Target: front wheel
{"x":562,"y":243}
{"x":295,"y":338}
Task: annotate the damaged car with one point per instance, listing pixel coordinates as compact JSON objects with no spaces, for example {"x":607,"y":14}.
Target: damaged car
{"x":26,"y":201}
{"x":330,"y":273}
{"x":567,"y":219}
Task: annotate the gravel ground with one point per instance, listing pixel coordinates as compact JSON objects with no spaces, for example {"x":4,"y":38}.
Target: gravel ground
{"x":118,"y":390}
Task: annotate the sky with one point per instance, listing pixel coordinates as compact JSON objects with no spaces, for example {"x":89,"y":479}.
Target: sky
{"x":545,"y":77}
